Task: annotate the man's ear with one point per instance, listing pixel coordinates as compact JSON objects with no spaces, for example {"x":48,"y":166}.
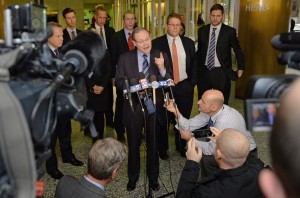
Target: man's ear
{"x":270,"y":184}
{"x":114,"y":174}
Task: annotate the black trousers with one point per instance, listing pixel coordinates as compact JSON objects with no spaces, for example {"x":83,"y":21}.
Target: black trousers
{"x":118,"y":121}
{"x":62,"y":132}
{"x":214,"y":79}
{"x":99,"y":124}
{"x":134,"y":138}
{"x":109,"y":114}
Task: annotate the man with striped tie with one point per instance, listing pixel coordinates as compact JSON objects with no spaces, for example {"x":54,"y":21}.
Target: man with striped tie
{"x":215,"y":42}
{"x":146,"y":61}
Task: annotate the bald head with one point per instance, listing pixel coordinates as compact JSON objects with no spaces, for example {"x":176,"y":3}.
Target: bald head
{"x":232,"y":148}
{"x":285,"y":136}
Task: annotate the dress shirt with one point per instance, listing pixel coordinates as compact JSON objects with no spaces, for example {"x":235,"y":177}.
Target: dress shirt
{"x":141,"y":60}
{"x":217,"y":31}
{"x":95,"y":183}
{"x":181,"y":56}
{"x":227,"y":117}
{"x":70,"y":32}
{"x":103,"y":31}
{"x":126,"y":33}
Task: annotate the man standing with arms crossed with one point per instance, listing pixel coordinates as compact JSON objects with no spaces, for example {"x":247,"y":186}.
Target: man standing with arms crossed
{"x":121,"y":42}
{"x":215,"y":42}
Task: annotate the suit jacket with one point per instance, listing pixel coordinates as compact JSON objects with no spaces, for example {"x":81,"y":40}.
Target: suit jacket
{"x":67,"y":37}
{"x":100,"y":77}
{"x":69,"y":186}
{"x":128,"y":66}
{"x":118,"y":45}
{"x":109,"y":32}
{"x":162,"y":44}
{"x":227,"y":39}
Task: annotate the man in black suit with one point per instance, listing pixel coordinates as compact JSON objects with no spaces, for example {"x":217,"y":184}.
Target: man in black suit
{"x":104,"y":160}
{"x":182,"y":58}
{"x":121,"y":42}
{"x":100,"y":16}
{"x":62,"y":130}
{"x":215,"y":41}
{"x":150,"y":62}
{"x":70,"y":32}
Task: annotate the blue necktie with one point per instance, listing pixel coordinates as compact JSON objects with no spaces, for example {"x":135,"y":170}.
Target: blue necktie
{"x":209,"y":124}
{"x":211,"y":51}
{"x":146,"y":67}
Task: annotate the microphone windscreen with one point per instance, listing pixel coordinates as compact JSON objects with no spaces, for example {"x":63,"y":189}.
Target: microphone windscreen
{"x":160,"y":78}
{"x":167,"y":76}
{"x":91,"y":45}
{"x":152,"y":78}
{"x":142,"y":75}
{"x":133,"y":81}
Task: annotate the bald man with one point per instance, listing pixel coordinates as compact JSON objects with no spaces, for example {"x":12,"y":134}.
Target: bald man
{"x":285,"y":179}
{"x":235,"y":177}
{"x":213,"y":112}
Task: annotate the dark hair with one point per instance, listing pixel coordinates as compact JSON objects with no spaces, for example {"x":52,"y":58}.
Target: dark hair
{"x":173,"y":15}
{"x":67,"y":11}
{"x":217,"y":7}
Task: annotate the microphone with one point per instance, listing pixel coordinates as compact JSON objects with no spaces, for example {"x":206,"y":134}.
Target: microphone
{"x":144,"y":83}
{"x":135,"y":88}
{"x":77,"y":60}
{"x":170,"y":84}
{"x":154,"y":85}
{"x":128,"y":91}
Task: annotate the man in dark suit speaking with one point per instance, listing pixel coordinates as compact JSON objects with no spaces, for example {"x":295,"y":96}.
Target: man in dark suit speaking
{"x":150,"y":62}
{"x":215,"y":42}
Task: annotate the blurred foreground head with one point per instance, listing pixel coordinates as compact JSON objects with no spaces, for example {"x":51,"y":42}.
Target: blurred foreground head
{"x":285,"y":148}
{"x":91,"y":45}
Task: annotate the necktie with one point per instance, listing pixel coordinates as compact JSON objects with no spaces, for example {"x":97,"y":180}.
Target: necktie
{"x":56,"y":52}
{"x":146,"y":67}
{"x":101,"y":32}
{"x":211,"y":51}
{"x":73,"y":35}
{"x":175,"y":62}
{"x":209,"y":124}
{"x":130,"y":43}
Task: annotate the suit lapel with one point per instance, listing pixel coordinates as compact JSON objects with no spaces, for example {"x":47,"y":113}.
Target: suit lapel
{"x":124,"y":40}
{"x":134,"y":63}
{"x":92,"y":187}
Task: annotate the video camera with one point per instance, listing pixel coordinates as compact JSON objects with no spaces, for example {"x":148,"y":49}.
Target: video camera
{"x":36,"y":90}
{"x":263,"y":91}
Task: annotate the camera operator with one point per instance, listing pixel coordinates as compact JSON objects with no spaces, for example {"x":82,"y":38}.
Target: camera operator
{"x":62,"y":130}
{"x":215,"y":113}
{"x":284,"y":180}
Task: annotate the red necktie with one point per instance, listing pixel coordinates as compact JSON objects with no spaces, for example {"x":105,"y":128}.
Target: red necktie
{"x":130,"y":43}
{"x":175,"y":62}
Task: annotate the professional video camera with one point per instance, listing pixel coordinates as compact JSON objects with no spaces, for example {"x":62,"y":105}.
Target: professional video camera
{"x":263,"y":92}
{"x":36,"y":89}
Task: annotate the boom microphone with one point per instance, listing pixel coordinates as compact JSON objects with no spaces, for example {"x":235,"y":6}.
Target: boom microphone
{"x":77,"y":60}
{"x":170,"y":84}
{"x":128,"y":92}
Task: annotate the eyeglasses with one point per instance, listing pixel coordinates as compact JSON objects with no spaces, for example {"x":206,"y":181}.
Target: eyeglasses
{"x":175,"y":25}
{"x":143,"y":42}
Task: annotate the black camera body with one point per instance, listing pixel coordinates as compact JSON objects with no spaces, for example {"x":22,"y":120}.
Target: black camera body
{"x":36,"y":90}
{"x":263,"y":91}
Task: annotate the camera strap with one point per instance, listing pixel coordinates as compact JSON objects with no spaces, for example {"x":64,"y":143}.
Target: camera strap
{"x":16,"y":145}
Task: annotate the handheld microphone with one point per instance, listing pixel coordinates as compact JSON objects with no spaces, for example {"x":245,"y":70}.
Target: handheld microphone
{"x":136,"y":88}
{"x":154,"y":85}
{"x":162,"y":83}
{"x":170,"y":84}
{"x":128,"y":92}
{"x":144,"y":83}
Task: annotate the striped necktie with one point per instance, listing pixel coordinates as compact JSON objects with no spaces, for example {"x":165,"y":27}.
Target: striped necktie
{"x":211,"y":51}
{"x":56,"y":52}
{"x":146,"y":67}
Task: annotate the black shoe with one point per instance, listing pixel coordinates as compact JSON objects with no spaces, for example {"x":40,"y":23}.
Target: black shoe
{"x":154,"y":185}
{"x":164,"y":155}
{"x":121,"y":137}
{"x":74,"y":162}
{"x":55,"y":174}
{"x":131,"y":185}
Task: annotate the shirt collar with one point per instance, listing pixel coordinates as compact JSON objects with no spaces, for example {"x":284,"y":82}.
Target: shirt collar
{"x":214,"y":117}
{"x":95,"y":183}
